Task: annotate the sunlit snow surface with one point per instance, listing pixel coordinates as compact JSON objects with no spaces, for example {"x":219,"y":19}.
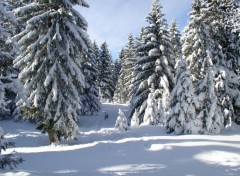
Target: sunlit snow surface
{"x":102,"y":150}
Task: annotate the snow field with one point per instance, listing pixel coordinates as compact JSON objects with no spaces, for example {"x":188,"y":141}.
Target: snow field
{"x":102,"y":150}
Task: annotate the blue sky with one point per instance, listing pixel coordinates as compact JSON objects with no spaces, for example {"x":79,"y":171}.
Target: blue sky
{"x":113,"y":20}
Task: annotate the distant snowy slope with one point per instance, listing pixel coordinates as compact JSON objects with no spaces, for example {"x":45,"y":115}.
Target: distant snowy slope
{"x":102,"y":150}
{"x":98,"y":121}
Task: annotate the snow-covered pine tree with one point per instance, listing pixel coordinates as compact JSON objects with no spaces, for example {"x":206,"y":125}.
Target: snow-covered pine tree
{"x":121,"y":122}
{"x":139,"y":52}
{"x":175,"y":38}
{"x":202,"y":54}
{"x":8,"y":78}
{"x":96,"y":51}
{"x":137,"y":93}
{"x":105,"y":75}
{"x":90,"y":95}
{"x":182,"y":118}
{"x":143,"y":70}
{"x":216,"y":15}
{"x":124,"y":84}
{"x":155,"y":66}
{"x":129,"y":64}
{"x":9,"y":160}
{"x":52,"y":45}
{"x":117,"y":69}
{"x":118,"y":93}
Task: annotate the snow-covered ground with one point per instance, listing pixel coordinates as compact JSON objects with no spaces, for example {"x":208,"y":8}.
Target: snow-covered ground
{"x":102,"y":150}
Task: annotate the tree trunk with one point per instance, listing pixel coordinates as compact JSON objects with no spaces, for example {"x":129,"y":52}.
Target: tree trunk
{"x":52,"y":136}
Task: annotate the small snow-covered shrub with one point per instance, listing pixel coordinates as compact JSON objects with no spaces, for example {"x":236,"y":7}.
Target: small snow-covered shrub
{"x":121,"y":122}
{"x":9,"y":160}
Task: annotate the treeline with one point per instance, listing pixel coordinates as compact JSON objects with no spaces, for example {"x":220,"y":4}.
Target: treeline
{"x":189,"y":84}
{"x":50,"y":70}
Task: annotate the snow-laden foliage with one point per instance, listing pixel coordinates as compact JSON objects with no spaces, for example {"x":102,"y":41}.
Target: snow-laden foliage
{"x":106,"y":82}
{"x":154,"y":65}
{"x":121,"y":122}
{"x":182,"y":117}
{"x":175,"y":39}
{"x":52,"y":45}
{"x":202,"y":55}
{"x":96,"y":51}
{"x":118,"y":92}
{"x":150,"y":116}
{"x":124,"y":84}
{"x":9,"y":87}
{"x":218,"y":15}
{"x":89,"y":96}
{"x":8,"y":160}
{"x":116,"y":71}
{"x":129,"y":64}
{"x":236,"y":19}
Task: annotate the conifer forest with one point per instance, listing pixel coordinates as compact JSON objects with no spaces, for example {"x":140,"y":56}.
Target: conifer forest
{"x":70,"y":91}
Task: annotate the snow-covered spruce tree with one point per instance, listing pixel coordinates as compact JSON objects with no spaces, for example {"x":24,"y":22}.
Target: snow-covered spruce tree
{"x":155,"y":63}
{"x":52,"y":46}
{"x":8,"y":78}
{"x":129,"y":64}
{"x":139,"y":52}
{"x":137,"y":81}
{"x":124,"y":84}
{"x":165,"y":69}
{"x":96,"y":51}
{"x":8,"y":160}
{"x":118,"y":92}
{"x":217,"y":16}
{"x":202,"y":54}
{"x":90,"y":95}
{"x":105,"y":76}
{"x":121,"y":122}
{"x":175,"y":38}
{"x":116,"y":71}
{"x":182,"y":118}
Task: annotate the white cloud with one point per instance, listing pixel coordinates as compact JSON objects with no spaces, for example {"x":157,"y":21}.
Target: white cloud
{"x":113,"y":20}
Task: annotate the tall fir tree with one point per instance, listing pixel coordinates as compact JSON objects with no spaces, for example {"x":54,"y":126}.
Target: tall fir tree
{"x":96,"y":51}
{"x":118,"y":93}
{"x":216,"y":15}
{"x":124,"y":84}
{"x":202,"y":54}
{"x":106,"y":74}
{"x":175,"y":39}
{"x":9,"y":86}
{"x":90,"y":95}
{"x":139,"y":52}
{"x":129,"y":64}
{"x":52,"y":46}
{"x":182,"y":117}
{"x":155,"y":67}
